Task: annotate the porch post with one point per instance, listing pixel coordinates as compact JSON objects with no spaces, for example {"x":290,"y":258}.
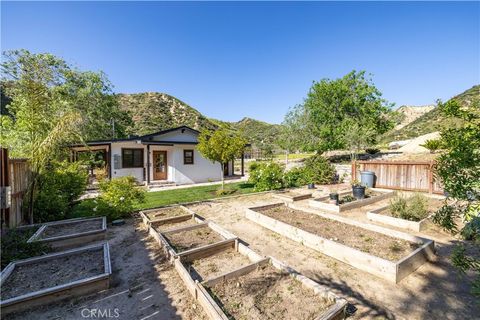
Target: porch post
{"x":243,"y":163}
{"x":109,"y":160}
{"x":148,"y":164}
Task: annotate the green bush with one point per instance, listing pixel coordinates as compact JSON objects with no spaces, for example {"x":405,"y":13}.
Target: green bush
{"x":433,"y":145}
{"x":296,"y":177}
{"x":58,"y":187}
{"x":15,"y":246}
{"x":266,"y":176}
{"x":118,"y":197}
{"x":414,"y":208}
{"x":319,"y":170}
{"x":471,"y":231}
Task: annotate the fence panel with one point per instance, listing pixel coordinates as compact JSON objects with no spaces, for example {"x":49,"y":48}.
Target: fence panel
{"x":401,"y":175}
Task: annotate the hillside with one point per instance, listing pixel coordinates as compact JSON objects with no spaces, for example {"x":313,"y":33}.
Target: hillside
{"x":411,"y":113}
{"x":430,"y":121}
{"x":152,"y":112}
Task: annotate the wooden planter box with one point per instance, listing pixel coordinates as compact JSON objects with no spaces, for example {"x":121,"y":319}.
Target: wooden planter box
{"x":321,"y":203}
{"x":289,"y":196}
{"x":72,"y":239}
{"x":199,"y":289}
{"x":376,"y":216}
{"x":383,"y":268}
{"x":159,"y":221}
{"x":56,"y":293}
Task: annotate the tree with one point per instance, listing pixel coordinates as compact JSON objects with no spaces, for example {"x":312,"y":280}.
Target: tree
{"x":52,"y":105}
{"x":332,"y":105}
{"x":290,"y":137}
{"x":221,"y":146}
{"x":357,"y":137}
{"x":458,"y":167}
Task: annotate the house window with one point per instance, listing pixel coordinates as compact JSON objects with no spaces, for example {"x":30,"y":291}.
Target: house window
{"x":187,"y":156}
{"x":132,"y":158}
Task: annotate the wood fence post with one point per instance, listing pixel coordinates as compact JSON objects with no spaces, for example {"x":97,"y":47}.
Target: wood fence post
{"x":430,"y":177}
{"x":354,"y":169}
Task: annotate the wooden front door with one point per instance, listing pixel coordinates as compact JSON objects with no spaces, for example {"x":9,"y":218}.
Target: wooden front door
{"x":160,"y":165}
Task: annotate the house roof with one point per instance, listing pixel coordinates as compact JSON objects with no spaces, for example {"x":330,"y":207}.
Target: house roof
{"x":144,"y":138}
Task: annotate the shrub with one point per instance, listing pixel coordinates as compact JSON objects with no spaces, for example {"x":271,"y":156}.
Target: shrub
{"x":59,"y":186}
{"x":471,"y":231}
{"x":432,"y":145}
{"x":414,"y":208}
{"x":15,"y":246}
{"x":118,"y":197}
{"x":296,"y":177}
{"x":319,"y":170}
{"x":266,"y":176}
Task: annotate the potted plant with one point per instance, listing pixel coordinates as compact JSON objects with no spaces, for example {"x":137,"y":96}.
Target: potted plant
{"x":334,"y":197}
{"x":311,"y":185}
{"x":358,"y":190}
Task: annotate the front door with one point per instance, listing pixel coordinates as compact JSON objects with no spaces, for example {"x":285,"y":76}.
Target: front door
{"x":160,"y":165}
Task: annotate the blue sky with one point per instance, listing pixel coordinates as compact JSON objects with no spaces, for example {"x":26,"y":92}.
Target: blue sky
{"x":257,"y":59}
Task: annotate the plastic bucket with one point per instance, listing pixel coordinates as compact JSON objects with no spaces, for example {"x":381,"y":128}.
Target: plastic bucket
{"x":367,"y":178}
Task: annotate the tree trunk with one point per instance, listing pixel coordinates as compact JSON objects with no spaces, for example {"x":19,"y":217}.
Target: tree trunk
{"x":223,"y":176}
{"x":286,"y":158}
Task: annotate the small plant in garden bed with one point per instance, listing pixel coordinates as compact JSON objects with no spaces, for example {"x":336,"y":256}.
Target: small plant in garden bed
{"x":414,"y":208}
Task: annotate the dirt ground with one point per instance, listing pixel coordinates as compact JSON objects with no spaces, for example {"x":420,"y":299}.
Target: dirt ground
{"x":145,"y":286}
{"x":434,"y":291}
{"x":58,"y":230}
{"x":24,"y":279}
{"x":267,"y":293}
{"x":368,"y":241}
{"x":174,"y":225}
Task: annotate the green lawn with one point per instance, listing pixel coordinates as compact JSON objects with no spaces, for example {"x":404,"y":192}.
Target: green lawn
{"x":162,"y":198}
{"x":85,"y":208}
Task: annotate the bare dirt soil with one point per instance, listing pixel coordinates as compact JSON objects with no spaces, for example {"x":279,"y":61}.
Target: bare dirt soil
{"x":185,"y":240}
{"x":166,"y":213}
{"x":144,"y":285}
{"x":267,"y":293}
{"x":25,"y":279}
{"x":223,"y":262}
{"x":173,"y":225}
{"x":58,"y":230}
{"x":434,"y":291}
{"x":364,"y":240}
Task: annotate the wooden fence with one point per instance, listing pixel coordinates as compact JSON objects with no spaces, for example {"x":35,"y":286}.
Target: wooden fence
{"x":14,"y":174}
{"x":401,"y":175}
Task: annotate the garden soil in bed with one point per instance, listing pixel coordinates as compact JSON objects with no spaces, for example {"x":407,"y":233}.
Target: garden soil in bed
{"x":50,"y":273}
{"x":166,"y":213}
{"x":377,"y":244}
{"x":267,"y":293}
{"x":185,"y":240}
{"x":58,"y":230}
{"x":174,"y":225}
{"x":218,"y":264}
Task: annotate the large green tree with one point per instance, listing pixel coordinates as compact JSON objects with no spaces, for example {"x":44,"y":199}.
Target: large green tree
{"x":458,"y":168}
{"x":221,"y":146}
{"x":331,"y":106}
{"x":52,"y":104}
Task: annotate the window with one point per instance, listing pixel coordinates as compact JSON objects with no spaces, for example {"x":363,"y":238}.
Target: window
{"x":187,"y":156}
{"x":132,"y":158}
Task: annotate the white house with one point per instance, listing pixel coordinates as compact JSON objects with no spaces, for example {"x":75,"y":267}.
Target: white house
{"x":168,"y":156}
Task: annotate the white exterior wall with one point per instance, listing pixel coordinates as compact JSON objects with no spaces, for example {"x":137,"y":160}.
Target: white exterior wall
{"x":202,"y":170}
{"x":117,"y":150}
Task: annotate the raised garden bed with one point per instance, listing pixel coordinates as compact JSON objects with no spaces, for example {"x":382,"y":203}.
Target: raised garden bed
{"x":383,"y":215}
{"x":291,"y":196}
{"x":45,"y":279}
{"x":191,"y":237}
{"x":389,"y":254}
{"x":70,"y":233}
{"x":167,"y":215}
{"x":210,"y":266}
{"x":347,"y":201}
